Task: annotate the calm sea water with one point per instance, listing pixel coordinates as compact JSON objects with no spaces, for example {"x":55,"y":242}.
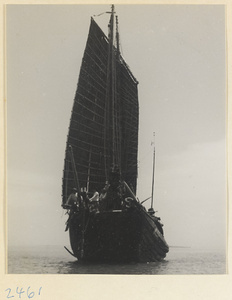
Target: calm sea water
{"x":55,"y":260}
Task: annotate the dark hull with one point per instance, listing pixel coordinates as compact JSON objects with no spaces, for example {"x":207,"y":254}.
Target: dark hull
{"x":116,"y":236}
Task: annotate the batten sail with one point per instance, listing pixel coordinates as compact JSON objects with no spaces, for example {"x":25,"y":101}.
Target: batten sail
{"x":104,"y":122}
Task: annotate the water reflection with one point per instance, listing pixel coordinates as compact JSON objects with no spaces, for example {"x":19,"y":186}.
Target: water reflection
{"x":75,"y":267}
{"x":54,"y":260}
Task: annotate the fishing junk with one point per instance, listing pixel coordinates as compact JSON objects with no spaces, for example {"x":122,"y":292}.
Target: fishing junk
{"x":101,"y":155}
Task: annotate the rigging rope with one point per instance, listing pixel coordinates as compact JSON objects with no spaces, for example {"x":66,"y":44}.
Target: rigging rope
{"x":105,"y":12}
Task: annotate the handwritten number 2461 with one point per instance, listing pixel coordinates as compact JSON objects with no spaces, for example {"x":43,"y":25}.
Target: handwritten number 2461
{"x":20,"y":291}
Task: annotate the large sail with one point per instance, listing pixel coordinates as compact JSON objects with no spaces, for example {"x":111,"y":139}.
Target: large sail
{"x":104,"y":122}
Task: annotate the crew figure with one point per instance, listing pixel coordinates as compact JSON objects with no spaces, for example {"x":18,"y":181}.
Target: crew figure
{"x":94,"y":202}
{"x":156,"y":219}
{"x":72,"y":201}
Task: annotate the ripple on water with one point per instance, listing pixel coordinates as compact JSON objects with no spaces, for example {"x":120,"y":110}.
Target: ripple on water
{"x":55,"y":260}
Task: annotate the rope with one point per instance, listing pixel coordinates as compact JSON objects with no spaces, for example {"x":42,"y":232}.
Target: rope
{"x":105,"y":12}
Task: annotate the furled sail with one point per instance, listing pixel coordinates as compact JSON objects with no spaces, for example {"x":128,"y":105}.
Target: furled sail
{"x":103,"y":129}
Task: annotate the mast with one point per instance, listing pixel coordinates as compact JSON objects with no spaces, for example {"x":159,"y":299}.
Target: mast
{"x":113,"y":86}
{"x":117,"y":37}
{"x":108,"y":111}
{"x":110,"y":122}
{"x":118,"y":100}
{"x":153,"y":174}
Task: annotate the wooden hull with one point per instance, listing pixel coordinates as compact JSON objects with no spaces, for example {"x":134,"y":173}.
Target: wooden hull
{"x":116,"y":236}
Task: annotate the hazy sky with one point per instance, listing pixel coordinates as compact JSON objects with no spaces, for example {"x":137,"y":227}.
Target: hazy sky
{"x":177,"y":53}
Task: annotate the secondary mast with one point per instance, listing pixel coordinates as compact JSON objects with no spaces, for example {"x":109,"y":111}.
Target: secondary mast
{"x":153,"y":173}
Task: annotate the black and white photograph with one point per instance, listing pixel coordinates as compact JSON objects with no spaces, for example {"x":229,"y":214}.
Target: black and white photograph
{"x":116,"y":139}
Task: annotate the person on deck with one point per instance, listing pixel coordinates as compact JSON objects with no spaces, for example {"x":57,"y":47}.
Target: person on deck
{"x":156,"y":219}
{"x":151,"y":211}
{"x":104,"y":191}
{"x":72,"y":201}
{"x":94,"y":201}
{"x":72,"y":204}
